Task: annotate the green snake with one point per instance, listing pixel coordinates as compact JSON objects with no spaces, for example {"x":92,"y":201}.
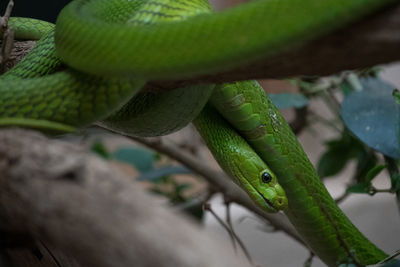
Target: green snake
{"x":112,"y":47}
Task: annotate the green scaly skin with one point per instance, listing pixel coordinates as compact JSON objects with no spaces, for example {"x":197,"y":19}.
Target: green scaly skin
{"x":140,"y":110}
{"x":36,"y":95}
{"x":135,"y":117}
{"x":313,"y":212}
{"x":89,"y":38}
{"x":240,"y":161}
{"x":30,"y":29}
{"x":202,"y":44}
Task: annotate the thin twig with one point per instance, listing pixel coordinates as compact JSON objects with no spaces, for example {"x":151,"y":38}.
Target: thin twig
{"x":329,"y":123}
{"x":207,"y":207}
{"x":331,"y":102}
{"x":7,"y":37}
{"x":7,"y":15}
{"x":394,"y":255}
{"x":229,"y":222}
{"x":308,"y":261}
{"x":342,"y":197}
{"x":373,"y":190}
{"x":228,"y":227}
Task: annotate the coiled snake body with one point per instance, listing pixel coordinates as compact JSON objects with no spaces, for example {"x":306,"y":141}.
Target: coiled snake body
{"x":112,"y":47}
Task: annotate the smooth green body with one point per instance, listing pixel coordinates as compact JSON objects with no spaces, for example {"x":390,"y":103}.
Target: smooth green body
{"x":240,"y":161}
{"x":202,"y":44}
{"x":311,"y":209}
{"x":121,"y":44}
{"x":35,"y":89}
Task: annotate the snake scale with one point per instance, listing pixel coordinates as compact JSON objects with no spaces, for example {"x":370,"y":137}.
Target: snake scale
{"x":106,"y":50}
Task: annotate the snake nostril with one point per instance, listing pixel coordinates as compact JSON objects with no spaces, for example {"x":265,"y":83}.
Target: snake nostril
{"x":281,"y":202}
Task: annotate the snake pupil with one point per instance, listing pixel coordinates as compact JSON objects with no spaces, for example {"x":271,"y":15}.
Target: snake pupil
{"x":266,"y":177}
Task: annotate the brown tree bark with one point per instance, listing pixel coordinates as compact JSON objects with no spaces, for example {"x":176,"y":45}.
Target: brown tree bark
{"x":82,"y":206}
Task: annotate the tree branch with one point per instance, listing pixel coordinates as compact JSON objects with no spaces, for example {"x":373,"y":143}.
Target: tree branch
{"x":219,"y":180}
{"x":84,"y":207}
{"x":19,"y":51}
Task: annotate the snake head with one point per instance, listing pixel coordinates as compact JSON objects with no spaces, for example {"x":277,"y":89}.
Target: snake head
{"x":262,"y":185}
{"x":271,"y":190}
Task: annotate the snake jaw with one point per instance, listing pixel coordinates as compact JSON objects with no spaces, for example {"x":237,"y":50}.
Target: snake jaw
{"x":269,"y":203}
{"x":280,"y":202}
{"x":250,"y":185}
{"x":271,"y":207}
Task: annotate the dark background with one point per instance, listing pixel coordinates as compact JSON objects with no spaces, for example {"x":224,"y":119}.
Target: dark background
{"x":39,"y":9}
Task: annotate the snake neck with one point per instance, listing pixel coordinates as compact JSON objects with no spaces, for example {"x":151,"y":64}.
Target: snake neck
{"x":320,"y":222}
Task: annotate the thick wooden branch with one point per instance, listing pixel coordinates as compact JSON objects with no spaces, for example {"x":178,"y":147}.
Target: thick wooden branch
{"x":19,"y":50}
{"x":81,"y":205}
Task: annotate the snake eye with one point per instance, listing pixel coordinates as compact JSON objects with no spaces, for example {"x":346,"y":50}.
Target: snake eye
{"x":266,"y":177}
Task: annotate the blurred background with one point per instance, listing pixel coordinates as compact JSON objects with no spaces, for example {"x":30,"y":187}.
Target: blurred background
{"x":377,"y":217}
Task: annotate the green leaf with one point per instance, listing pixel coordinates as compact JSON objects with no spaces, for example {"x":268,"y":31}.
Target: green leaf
{"x":395,"y":180}
{"x":141,"y":159}
{"x":180,"y":188}
{"x":155,"y":174}
{"x":338,"y":153}
{"x":193,"y":207}
{"x":346,"y":87}
{"x":289,"y":100}
{"x":396,"y":95}
{"x":363,"y":188}
{"x":331,"y":163}
{"x":372,"y":173}
{"x":160,"y":192}
{"x":366,"y":160}
{"x":99,"y":149}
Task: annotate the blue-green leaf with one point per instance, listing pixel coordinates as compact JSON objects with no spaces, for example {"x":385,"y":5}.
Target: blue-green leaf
{"x":141,"y":159}
{"x":289,"y":100}
{"x":166,"y":170}
{"x":373,"y":116}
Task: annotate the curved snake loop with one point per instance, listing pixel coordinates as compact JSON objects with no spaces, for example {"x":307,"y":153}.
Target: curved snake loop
{"x":106,"y":50}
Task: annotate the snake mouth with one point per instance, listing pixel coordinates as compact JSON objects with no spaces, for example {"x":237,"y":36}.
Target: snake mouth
{"x":269,"y":203}
{"x":246,"y":184}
